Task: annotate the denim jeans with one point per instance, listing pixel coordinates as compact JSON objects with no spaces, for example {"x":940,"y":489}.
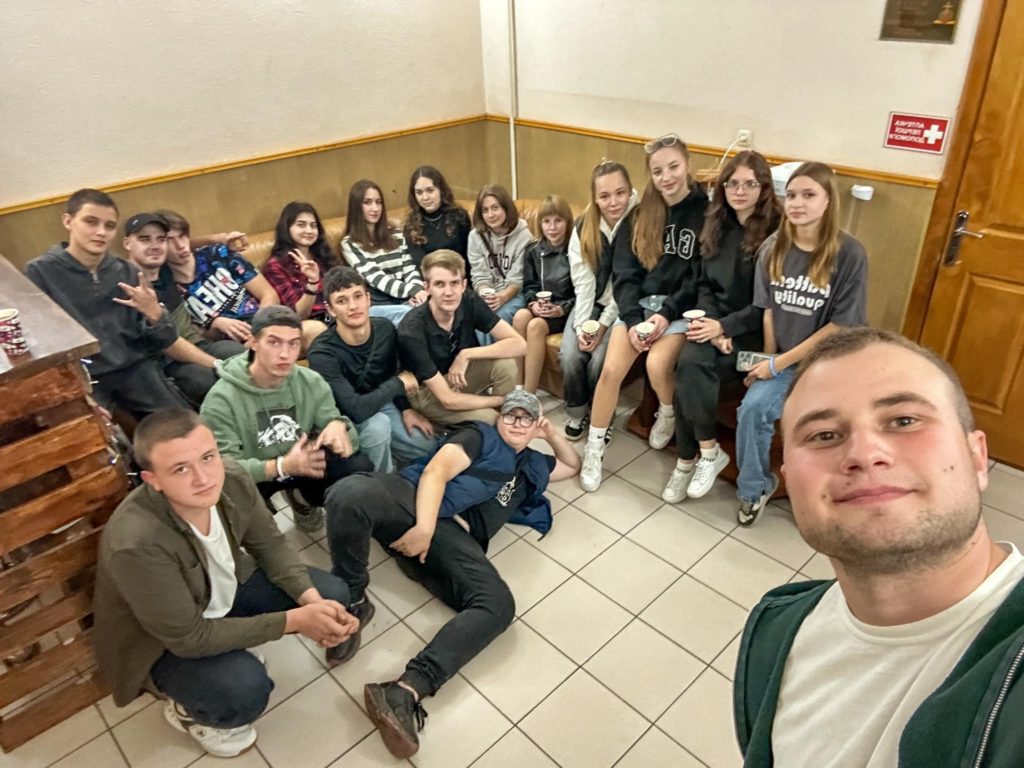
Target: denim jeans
{"x":231,"y":688}
{"x":755,"y":426}
{"x":383,"y":438}
{"x":580,"y":370}
{"x":392,"y":312}
{"x":505,"y":312}
{"x":456,"y":570}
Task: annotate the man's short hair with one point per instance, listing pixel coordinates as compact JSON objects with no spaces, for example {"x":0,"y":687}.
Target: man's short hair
{"x":450,"y":260}
{"x":160,"y":427}
{"x":175,"y":221}
{"x":87,"y":196}
{"x":851,"y":340}
{"x":340,"y":278}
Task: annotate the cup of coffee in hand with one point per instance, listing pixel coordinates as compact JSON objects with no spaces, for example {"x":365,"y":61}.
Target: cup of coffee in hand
{"x":693,"y":314}
{"x":590,"y":329}
{"x":487,"y":292}
{"x":644,"y":329}
{"x":544,"y":298}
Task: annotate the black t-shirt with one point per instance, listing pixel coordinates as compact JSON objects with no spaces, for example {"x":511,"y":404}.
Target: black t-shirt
{"x":449,"y":230}
{"x":362,"y":378}
{"x":166,"y":289}
{"x":486,"y":519}
{"x":426,"y":349}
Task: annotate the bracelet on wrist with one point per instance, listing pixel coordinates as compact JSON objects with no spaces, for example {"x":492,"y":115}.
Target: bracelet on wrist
{"x":308,"y":292}
{"x":771,"y":367}
{"x":279,"y":465}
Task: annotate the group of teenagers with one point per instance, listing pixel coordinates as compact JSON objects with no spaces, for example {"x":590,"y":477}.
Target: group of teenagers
{"x":407,"y":428}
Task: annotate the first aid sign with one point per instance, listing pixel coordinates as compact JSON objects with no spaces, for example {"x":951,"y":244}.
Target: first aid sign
{"x":920,"y":133}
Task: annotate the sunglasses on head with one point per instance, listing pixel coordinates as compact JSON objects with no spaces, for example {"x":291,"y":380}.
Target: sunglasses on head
{"x":668,"y":140}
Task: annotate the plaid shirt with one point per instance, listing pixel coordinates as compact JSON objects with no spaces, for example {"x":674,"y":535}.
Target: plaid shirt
{"x":290,"y":284}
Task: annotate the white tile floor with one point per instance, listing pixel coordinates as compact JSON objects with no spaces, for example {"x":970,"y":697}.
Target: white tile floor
{"x":622,"y":653}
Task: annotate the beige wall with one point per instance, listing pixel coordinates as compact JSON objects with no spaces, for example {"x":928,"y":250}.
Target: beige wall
{"x":811,"y":79}
{"x":96,"y":93}
{"x":250,"y":198}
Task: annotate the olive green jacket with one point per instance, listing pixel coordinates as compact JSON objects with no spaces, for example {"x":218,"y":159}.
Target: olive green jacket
{"x":152,"y":584}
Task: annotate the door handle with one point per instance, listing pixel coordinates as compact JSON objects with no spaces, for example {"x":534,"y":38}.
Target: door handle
{"x":960,"y":230}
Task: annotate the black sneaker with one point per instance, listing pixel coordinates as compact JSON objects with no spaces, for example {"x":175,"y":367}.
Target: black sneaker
{"x":308,"y":519}
{"x":573,"y":432}
{"x":398,"y":716}
{"x":345,"y":650}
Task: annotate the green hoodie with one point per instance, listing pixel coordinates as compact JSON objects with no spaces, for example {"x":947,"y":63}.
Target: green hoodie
{"x":972,"y":720}
{"x":253,"y":424}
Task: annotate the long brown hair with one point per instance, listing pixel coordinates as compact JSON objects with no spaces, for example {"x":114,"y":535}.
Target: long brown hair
{"x":590,"y":221}
{"x":414,"y":220}
{"x":823,"y":258}
{"x":379,"y":235}
{"x":649,"y":220}
{"x":763,"y":220}
{"x":506,"y":202}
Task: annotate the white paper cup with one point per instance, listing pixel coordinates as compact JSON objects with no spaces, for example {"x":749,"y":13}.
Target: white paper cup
{"x":694,"y":314}
{"x":590,"y":329}
{"x":544,"y":297}
{"x":485,"y":292}
{"x":644,"y":329}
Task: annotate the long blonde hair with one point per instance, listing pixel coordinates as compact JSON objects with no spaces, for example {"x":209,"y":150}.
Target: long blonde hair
{"x":590,"y":221}
{"x":823,"y":258}
{"x":649,"y":220}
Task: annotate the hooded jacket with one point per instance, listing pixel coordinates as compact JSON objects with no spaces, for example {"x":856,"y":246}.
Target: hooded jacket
{"x":253,"y":424}
{"x":973,"y":719}
{"x":677,"y":271}
{"x":595,"y":299}
{"x":126,"y":337}
{"x":726,"y":289}
{"x":497,"y":261}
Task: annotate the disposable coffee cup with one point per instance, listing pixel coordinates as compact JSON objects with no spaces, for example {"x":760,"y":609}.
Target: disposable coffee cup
{"x":544,"y":297}
{"x":644,"y":329}
{"x":694,"y":314}
{"x":590,"y":329}
{"x":485,"y":292}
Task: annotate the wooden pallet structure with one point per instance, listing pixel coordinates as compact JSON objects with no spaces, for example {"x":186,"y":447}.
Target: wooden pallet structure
{"x":59,"y":483}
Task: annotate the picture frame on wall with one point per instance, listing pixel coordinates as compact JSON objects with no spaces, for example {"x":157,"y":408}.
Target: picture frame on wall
{"x":920,"y":21}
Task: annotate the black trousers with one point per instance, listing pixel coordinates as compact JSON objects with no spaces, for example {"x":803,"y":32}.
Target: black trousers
{"x":701,"y":373}
{"x":195,"y":381}
{"x":314,"y":489}
{"x":140,"y":389}
{"x":456,"y":570}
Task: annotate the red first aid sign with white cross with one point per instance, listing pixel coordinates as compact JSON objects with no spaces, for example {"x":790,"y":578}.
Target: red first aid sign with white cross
{"x":919,"y":133}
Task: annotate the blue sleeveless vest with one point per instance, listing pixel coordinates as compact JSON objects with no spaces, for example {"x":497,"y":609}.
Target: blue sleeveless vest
{"x":486,"y":476}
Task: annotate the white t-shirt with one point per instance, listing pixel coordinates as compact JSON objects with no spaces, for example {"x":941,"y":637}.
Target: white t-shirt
{"x":849,"y":688}
{"x":220,"y":565}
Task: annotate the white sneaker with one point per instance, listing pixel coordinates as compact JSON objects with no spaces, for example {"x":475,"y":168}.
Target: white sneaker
{"x":663,"y":431}
{"x":219,"y":742}
{"x":590,"y":475}
{"x":675,"y":488}
{"x":707,"y":470}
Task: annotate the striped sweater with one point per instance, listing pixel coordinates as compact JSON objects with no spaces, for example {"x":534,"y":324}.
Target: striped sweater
{"x":392,"y":276}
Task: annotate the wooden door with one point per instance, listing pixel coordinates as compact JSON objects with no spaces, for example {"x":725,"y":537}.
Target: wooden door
{"x":975,"y":315}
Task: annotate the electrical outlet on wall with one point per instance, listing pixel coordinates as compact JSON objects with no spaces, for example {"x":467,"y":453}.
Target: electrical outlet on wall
{"x":744,"y":137}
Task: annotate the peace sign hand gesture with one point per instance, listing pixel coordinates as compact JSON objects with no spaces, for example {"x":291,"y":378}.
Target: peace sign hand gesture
{"x":308,"y":267}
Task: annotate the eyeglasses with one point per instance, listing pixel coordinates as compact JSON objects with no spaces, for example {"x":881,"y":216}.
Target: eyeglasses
{"x":668,"y":140}
{"x":732,"y":185}
{"x":522,"y":421}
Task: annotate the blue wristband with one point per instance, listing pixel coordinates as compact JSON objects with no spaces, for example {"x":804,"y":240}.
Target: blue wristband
{"x":771,"y":367}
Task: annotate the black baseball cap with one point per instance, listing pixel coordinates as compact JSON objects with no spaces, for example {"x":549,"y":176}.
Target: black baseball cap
{"x":275,"y":315}
{"x":139,"y":220}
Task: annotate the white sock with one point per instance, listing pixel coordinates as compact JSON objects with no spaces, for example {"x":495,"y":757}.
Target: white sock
{"x":709,"y":453}
{"x":666,"y":410}
{"x":596,"y":434}
{"x":684,"y":464}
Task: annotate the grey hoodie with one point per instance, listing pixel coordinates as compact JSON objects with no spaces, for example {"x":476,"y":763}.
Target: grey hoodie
{"x":124,"y":334}
{"x":498,"y":261}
